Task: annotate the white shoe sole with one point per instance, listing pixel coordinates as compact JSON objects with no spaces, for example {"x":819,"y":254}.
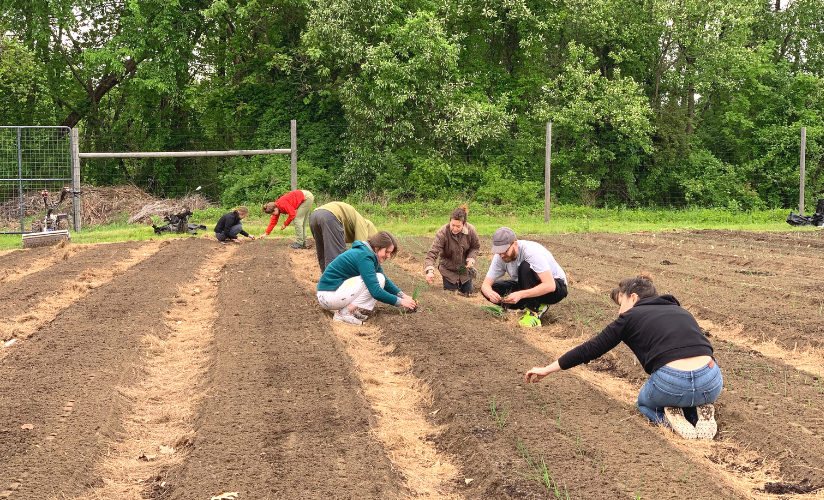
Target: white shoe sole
{"x":706,"y":428}
{"x":351,"y":320}
{"x":674,"y":418}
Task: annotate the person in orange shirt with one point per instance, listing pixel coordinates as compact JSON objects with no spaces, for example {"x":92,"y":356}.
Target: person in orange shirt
{"x":297,"y":205}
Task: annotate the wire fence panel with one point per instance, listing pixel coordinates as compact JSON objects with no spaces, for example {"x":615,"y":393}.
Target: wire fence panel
{"x":32,"y":159}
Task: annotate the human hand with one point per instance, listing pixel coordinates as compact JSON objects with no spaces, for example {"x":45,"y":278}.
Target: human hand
{"x":252,"y":236}
{"x":240,"y":239}
{"x":513,"y":297}
{"x":282,"y":228}
{"x":430,"y":276}
{"x":262,"y":236}
{"x":536,"y":374}
{"x":494,"y":297}
{"x":408,"y":302}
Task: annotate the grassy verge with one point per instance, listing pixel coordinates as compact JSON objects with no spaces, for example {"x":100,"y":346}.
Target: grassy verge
{"x":424,"y":219}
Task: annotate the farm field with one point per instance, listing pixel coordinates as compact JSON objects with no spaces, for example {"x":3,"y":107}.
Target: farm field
{"x":187,"y":369}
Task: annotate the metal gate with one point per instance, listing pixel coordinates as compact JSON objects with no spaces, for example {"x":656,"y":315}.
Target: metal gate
{"x":33,"y":159}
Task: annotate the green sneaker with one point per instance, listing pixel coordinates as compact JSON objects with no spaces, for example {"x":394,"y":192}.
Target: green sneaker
{"x":530,"y":320}
{"x":541,"y":310}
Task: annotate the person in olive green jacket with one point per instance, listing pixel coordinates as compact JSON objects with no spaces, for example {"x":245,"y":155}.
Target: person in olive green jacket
{"x":333,"y":226}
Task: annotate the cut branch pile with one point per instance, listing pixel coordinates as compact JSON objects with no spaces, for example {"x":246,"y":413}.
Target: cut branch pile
{"x":103,"y":205}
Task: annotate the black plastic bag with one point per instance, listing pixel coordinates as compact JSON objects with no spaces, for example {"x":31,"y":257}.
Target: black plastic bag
{"x":808,"y":220}
{"x":178,"y":223}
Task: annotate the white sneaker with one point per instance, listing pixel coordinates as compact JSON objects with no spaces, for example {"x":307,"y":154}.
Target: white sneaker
{"x":706,"y":426}
{"x":674,"y":418}
{"x":346,"y":318}
{"x":359,"y":315}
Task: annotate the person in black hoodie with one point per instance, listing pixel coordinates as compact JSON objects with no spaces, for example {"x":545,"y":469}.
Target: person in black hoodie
{"x":684,"y":378}
{"x":229,"y":226}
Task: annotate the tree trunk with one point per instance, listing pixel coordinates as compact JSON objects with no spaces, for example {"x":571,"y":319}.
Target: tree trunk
{"x":690,"y":107}
{"x":106,"y":84}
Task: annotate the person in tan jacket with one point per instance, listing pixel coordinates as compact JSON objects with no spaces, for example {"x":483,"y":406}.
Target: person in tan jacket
{"x":456,"y":246}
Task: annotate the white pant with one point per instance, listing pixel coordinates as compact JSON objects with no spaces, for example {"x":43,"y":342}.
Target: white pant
{"x":353,"y":291}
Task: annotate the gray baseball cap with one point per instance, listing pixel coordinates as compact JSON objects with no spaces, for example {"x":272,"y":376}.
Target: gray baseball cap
{"x":501,"y":240}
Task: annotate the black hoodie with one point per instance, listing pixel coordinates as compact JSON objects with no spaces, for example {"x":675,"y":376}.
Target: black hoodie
{"x":227,"y":222}
{"x":657,"y":329}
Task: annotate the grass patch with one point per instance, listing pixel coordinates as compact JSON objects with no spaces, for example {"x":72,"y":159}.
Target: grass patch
{"x":426,"y":217}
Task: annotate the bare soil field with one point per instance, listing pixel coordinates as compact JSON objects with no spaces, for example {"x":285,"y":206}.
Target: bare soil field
{"x":187,"y":369}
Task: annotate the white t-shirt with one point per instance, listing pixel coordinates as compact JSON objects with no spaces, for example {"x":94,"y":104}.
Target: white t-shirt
{"x":538,"y":257}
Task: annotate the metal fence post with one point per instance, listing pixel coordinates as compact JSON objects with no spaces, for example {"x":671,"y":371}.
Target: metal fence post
{"x":803,"y":167}
{"x":547,"y":168}
{"x":294,"y":134}
{"x":76,"y":200}
{"x":20,"y":174}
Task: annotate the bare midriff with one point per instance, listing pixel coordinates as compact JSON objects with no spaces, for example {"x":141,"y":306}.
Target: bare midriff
{"x":689,"y":364}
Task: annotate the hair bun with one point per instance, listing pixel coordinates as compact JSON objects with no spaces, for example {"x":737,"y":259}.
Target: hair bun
{"x":464,"y":208}
{"x":643,"y":275}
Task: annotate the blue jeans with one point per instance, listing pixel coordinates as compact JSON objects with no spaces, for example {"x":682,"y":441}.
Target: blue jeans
{"x":231,"y":234}
{"x":685,"y":389}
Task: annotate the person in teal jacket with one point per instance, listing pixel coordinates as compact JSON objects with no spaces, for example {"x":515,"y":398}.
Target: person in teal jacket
{"x":355,"y":279}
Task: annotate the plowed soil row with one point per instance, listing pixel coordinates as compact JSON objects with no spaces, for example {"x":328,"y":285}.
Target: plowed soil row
{"x":593,"y":446}
{"x":66,"y":274}
{"x":284,"y":418}
{"x":285,"y":414}
{"x":769,"y":408}
{"x":63,"y":381}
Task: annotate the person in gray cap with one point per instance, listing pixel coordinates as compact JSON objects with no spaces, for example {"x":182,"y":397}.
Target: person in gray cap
{"x":537,"y":280}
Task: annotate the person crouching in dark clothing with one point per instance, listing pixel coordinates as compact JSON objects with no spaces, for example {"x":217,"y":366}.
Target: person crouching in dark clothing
{"x":684,"y":378}
{"x":229,"y":226}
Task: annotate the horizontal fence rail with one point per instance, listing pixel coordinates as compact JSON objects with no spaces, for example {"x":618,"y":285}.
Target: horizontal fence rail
{"x":186,"y":154}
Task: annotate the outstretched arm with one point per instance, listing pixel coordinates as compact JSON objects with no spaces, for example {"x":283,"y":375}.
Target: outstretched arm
{"x":537,"y":373}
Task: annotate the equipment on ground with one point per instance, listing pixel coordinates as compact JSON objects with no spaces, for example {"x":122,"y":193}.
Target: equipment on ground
{"x":816,"y":219}
{"x":178,"y":223}
{"x":54,"y":227}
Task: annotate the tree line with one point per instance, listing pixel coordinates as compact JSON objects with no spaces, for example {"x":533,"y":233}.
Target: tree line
{"x":653,"y":102}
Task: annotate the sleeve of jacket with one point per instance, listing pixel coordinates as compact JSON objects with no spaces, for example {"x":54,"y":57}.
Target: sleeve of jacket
{"x":273,"y":221}
{"x":434,"y":250}
{"x":474,"y":244}
{"x":366,"y":268}
{"x":595,"y":347}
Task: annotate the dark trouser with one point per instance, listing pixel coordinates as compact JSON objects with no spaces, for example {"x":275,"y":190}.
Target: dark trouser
{"x":465,"y":287}
{"x":231,"y":234}
{"x":527,"y":278}
{"x":329,"y":238}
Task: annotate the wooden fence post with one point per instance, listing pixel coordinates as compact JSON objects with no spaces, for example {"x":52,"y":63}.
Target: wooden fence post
{"x":294,"y":134}
{"x":547,"y":168}
{"x":803,"y":167}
